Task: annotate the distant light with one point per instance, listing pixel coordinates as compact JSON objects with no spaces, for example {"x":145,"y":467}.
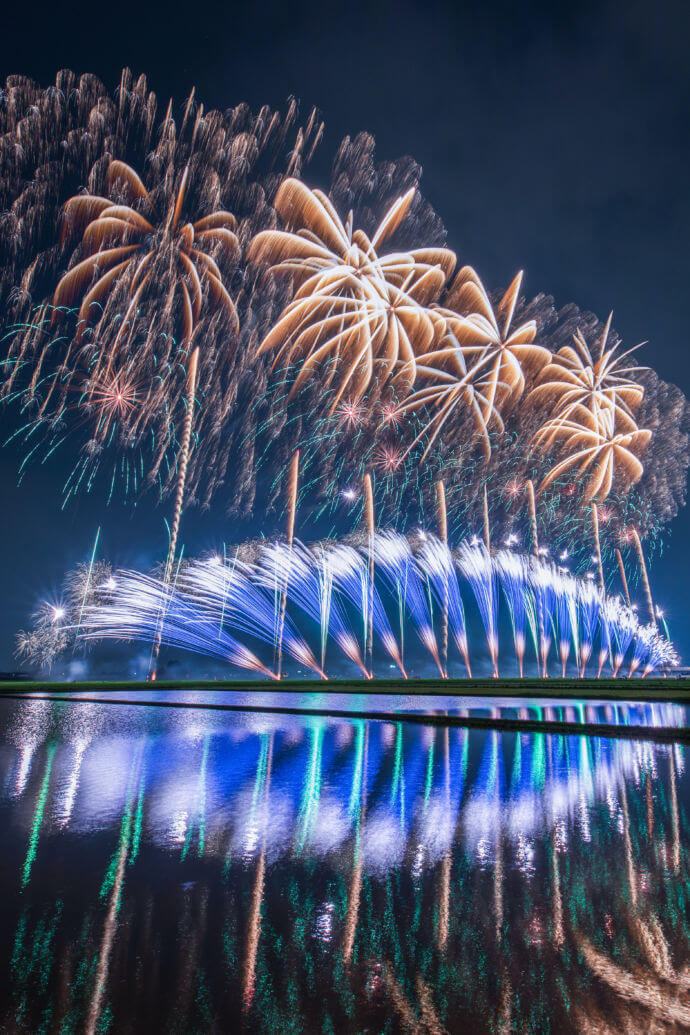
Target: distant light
{"x":475,"y":540}
{"x":543,"y":551}
{"x":422,"y":535}
{"x":564,"y":556}
{"x":590,"y":574}
{"x":348,"y":494}
{"x":58,"y":614}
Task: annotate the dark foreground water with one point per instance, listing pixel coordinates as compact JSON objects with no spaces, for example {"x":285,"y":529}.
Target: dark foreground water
{"x":188,"y":870}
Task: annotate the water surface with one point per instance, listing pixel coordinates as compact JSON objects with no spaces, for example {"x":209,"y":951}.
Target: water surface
{"x":193,"y":870}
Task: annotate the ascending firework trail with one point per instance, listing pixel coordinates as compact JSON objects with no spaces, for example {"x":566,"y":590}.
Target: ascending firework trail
{"x":181,"y":483}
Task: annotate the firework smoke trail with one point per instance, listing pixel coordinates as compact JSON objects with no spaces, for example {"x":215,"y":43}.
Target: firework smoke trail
{"x":512,"y":573}
{"x":181,"y":484}
{"x":540,"y":617}
{"x":395,"y":561}
{"x":597,"y":546}
{"x":442,"y":514}
{"x":606,"y":637}
{"x":487,"y":525}
{"x":624,"y":581}
{"x":371,"y":532}
{"x":645,"y":577}
{"x":293,"y":485}
{"x":533,"y":516}
{"x":590,"y":604}
{"x":475,"y":564}
{"x":436,"y":561}
{"x":184,"y":460}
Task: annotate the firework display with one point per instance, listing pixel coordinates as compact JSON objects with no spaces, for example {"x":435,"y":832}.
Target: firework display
{"x":290,"y":594}
{"x":121,"y":238}
{"x":185,"y":313}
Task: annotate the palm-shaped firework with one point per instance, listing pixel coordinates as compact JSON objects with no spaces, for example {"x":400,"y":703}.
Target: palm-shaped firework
{"x":362,"y":313}
{"x":134,"y":243}
{"x":588,"y":390}
{"x":593,"y":417}
{"x":481,"y":363}
{"x":600,"y":453}
{"x":505,"y":354}
{"x":458,"y":383}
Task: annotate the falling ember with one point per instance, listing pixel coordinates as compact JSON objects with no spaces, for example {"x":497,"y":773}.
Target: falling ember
{"x":293,"y":484}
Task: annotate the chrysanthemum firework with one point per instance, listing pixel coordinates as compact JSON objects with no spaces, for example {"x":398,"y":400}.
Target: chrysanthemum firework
{"x":153,"y":216}
{"x":366,"y":310}
{"x":129,"y":240}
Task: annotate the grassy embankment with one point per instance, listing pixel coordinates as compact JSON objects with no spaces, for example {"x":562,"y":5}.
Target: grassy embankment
{"x":676,"y":690}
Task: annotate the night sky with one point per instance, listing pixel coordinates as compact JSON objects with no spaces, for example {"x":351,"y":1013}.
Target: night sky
{"x":552,"y":137}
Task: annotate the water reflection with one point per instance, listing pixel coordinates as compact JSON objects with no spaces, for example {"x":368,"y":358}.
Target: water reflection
{"x":191,"y":870}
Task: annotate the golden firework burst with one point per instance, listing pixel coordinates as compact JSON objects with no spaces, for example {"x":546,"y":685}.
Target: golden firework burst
{"x":361,"y":314}
{"x":126,"y":240}
{"x":508,"y":354}
{"x":588,"y":391}
{"x":600,"y":454}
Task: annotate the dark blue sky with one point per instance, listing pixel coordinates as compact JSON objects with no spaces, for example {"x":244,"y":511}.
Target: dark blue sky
{"x":553,"y":138}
